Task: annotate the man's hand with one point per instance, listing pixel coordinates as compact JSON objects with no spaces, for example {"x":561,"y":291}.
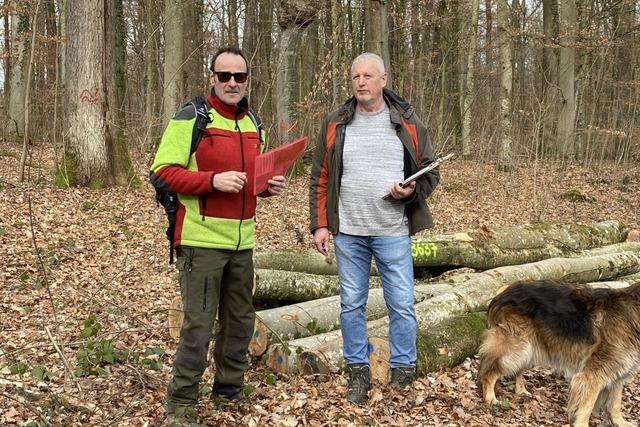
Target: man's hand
{"x":398,"y":192}
{"x":321,"y":240}
{"x":230,"y":181}
{"x":277,"y":184}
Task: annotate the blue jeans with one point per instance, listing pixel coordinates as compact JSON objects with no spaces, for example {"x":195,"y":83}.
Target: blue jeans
{"x":395,"y":265}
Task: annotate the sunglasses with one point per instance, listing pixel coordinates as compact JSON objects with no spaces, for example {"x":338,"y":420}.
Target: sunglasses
{"x":225,"y":76}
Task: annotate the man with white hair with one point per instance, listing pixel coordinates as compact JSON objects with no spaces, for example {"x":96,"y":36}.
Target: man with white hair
{"x":364,"y":150}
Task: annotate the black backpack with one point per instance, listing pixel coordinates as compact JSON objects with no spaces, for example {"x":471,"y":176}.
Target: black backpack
{"x":168,"y":199}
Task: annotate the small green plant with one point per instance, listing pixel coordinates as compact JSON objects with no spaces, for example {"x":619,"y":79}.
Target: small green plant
{"x":128,"y":233}
{"x":96,"y":353}
{"x":87,"y":206}
{"x":24,"y":276}
{"x":19,"y":368}
{"x":153,"y":358}
{"x":313,"y":327}
{"x":40,"y":372}
{"x":2,"y":231}
{"x":269,"y":378}
{"x":116,"y":219}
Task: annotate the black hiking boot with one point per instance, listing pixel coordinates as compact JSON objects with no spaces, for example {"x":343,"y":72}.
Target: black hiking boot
{"x":402,"y":376}
{"x":359,"y":383}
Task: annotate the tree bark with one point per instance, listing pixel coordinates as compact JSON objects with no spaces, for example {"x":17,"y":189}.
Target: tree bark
{"x":310,"y":261}
{"x":377,"y":33}
{"x":566,"y":80}
{"x":505,"y":154}
{"x":469,"y":88}
{"x":275,"y":285}
{"x":152,"y":71}
{"x":485,"y":248}
{"x":320,"y":315}
{"x":322,"y":353}
{"x":20,"y":25}
{"x":121,"y":168}
{"x":549,"y":74}
{"x":173,"y":57}
{"x":86,"y":159}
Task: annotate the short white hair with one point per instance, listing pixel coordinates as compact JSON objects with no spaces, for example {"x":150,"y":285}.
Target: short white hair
{"x":368,"y":56}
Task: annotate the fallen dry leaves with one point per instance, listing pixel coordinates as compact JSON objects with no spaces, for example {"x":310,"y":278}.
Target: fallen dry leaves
{"x":104,"y":253}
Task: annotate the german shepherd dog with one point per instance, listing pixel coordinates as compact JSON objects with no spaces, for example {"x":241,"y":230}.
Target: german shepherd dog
{"x":590,"y":335}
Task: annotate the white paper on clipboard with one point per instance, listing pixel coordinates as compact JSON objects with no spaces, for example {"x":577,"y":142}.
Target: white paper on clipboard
{"x":421,"y":172}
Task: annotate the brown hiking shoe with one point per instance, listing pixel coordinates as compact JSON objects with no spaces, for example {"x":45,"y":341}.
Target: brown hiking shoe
{"x":359,"y":383}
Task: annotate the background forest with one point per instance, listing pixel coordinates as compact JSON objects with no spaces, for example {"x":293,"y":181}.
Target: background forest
{"x":495,"y":80}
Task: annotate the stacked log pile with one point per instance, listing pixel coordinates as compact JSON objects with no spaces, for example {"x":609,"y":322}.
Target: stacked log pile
{"x":302,"y":333}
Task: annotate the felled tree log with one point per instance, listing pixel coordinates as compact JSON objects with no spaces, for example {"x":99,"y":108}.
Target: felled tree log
{"x":318,"y":316}
{"x":487,"y":248}
{"x":277,"y":285}
{"x":310,"y":261}
{"x":444,"y":345}
{"x":322,"y":353}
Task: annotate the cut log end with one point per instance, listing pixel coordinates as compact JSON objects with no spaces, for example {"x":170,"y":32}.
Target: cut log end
{"x":313,"y":362}
{"x":633,"y":236}
{"x":176,"y":316}
{"x":259,"y":340}
{"x":379,"y":356}
{"x":280,"y":359}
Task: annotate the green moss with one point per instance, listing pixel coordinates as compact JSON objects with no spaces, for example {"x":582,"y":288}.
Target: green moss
{"x":450,"y":342}
{"x":576,"y":196}
{"x":67,"y":172}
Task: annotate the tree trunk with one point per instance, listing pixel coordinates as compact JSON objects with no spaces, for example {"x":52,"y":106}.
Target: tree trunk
{"x":20,"y":25}
{"x":485,"y":248}
{"x":152,"y":71}
{"x":481,"y":249}
{"x":86,"y":159}
{"x":320,"y":315}
{"x":194,"y":75}
{"x":294,"y":16}
{"x":566,"y":80}
{"x":274,"y":285}
{"x":284,"y":85}
{"x":309,"y":261}
{"x":469,"y":88}
{"x":115,"y":68}
{"x":444,"y":345}
{"x":322,"y":353}
{"x":549,"y":74}
{"x":27,"y":92}
{"x":232,"y":12}
{"x":505,"y":154}
{"x":173,"y":58}
{"x":376,"y":38}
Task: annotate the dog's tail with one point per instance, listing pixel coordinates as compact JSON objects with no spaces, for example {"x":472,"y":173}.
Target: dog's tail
{"x":563,"y":308}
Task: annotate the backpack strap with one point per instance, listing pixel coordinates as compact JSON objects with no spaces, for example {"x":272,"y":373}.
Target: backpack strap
{"x":257,"y":122}
{"x":201,"y":108}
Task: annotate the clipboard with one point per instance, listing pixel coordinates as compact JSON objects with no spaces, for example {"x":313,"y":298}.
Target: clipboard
{"x":276,"y":162}
{"x":421,"y":172}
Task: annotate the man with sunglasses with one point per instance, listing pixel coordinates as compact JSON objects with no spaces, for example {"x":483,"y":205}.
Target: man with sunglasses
{"x":364,"y":150}
{"x":214,"y":234}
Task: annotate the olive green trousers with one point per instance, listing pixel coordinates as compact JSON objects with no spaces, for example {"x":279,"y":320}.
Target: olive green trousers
{"x":212,"y":281}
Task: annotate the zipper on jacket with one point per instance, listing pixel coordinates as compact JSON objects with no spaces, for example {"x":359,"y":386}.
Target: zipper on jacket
{"x":203,"y":201}
{"x":243,"y":188}
{"x":204,"y":300}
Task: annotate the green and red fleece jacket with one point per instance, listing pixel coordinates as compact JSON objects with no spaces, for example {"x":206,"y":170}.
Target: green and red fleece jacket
{"x":208,"y":218}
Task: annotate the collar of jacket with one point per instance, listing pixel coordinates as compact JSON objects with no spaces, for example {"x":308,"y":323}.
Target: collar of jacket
{"x":231,"y":112}
{"x":399,"y":108}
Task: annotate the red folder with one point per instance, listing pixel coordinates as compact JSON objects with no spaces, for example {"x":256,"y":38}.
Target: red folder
{"x":276,"y":162}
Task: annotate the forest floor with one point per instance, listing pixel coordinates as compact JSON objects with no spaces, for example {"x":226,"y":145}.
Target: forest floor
{"x":103,"y":253}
